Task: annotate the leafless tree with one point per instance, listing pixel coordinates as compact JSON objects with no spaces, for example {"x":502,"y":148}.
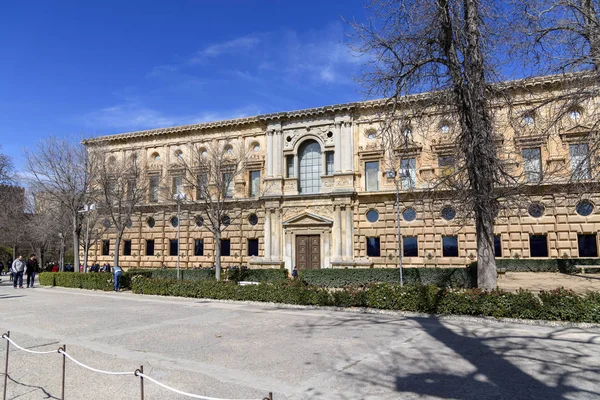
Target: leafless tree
{"x":443,"y":46}
{"x":61,"y":170}
{"x":120,"y":187}
{"x":209,"y":175}
{"x":6,"y":169}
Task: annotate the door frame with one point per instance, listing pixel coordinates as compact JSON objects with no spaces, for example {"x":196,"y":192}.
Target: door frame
{"x":319,"y":266}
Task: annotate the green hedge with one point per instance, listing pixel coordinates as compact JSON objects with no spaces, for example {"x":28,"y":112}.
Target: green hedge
{"x":564,"y":265}
{"x":169,"y":273}
{"x":559,"y":304}
{"x":252,"y":275}
{"x":95,"y":281}
{"x":256,"y":275}
{"x":442,"y":277}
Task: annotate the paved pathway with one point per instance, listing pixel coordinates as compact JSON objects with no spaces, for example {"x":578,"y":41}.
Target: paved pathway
{"x":237,"y":350}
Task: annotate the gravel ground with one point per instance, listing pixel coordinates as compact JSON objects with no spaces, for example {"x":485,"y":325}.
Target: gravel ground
{"x":237,"y":350}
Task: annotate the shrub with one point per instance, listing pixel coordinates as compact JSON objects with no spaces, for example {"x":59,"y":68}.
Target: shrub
{"x":442,"y":277}
{"x":564,"y":265}
{"x":256,"y":275}
{"x":46,"y":278}
{"x":94,"y":281}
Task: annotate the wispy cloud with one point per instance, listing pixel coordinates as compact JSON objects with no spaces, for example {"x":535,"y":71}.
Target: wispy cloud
{"x":235,"y":46}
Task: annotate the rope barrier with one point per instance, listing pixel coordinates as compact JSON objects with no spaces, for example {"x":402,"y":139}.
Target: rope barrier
{"x":137,"y":372}
{"x":61,"y":351}
{"x":24,"y":349}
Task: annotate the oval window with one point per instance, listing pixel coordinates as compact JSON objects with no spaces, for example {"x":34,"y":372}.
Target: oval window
{"x":575,"y":114}
{"x":445,"y":128}
{"x":106,"y":223}
{"x":409,"y":214}
{"x":226,"y":220}
{"x":536,"y":210}
{"x":199,"y":221}
{"x":448,"y":213}
{"x":151,"y":222}
{"x":372,"y":216}
{"x":584,"y":208}
{"x":175,"y":222}
{"x":528,"y":119}
{"x":371,"y":134}
{"x":253,"y":219}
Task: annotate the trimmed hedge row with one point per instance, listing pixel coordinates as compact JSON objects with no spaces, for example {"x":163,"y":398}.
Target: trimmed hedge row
{"x":442,"y":277}
{"x":564,"y":265}
{"x":252,"y":275}
{"x":560,"y":304}
{"x":94,"y":281}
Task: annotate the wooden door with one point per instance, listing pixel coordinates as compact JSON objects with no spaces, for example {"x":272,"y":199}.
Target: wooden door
{"x":308,"y":252}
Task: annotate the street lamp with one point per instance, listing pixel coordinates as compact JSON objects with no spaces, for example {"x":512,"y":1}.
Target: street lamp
{"x":86,"y":210}
{"x":391,"y":174}
{"x":179,"y":197}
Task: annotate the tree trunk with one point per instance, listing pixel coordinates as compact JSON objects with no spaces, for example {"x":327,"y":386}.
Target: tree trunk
{"x":76,"y":237}
{"x":218,"y":256}
{"x":486,"y":261}
{"x":117,"y":249}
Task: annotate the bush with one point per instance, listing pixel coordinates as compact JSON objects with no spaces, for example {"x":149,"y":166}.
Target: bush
{"x":94,"y":280}
{"x":442,"y":277}
{"x":256,"y":275}
{"x":564,"y":265}
{"x":46,"y":278}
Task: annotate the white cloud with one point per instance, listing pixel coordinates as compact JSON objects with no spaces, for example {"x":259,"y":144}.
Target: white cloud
{"x":241,"y":44}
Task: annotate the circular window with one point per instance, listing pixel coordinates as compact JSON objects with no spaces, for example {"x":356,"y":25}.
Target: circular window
{"x":536,"y":210}
{"x":175,"y":222}
{"x":288,"y":139}
{"x":329,"y":134}
{"x":575,"y":114}
{"x":256,"y":147}
{"x":372,"y":216}
{"x":229,"y":149}
{"x":409,"y":214}
{"x":203,"y":152}
{"x":151,"y":222}
{"x":226,"y":220}
{"x":112,"y":160}
{"x":407,"y":132}
{"x":106,"y":223}
{"x":179,"y":154}
{"x":199,"y":221}
{"x":371,"y":134}
{"x":528,"y":119}
{"x":253,"y":219}
{"x":156,"y":157}
{"x":584,"y":208}
{"x":445,"y":127}
{"x":448,"y":213}
{"x":128,"y":223}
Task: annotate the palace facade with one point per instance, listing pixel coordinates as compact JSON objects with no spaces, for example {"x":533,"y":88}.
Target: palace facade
{"x":327,"y":199}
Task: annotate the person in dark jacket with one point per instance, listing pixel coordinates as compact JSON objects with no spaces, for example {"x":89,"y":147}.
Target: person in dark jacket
{"x":32,"y":267}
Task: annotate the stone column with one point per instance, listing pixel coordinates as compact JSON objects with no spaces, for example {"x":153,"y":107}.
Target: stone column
{"x":270,"y":154}
{"x":267,"y":234}
{"x":349,"y":233}
{"x":337,"y":141}
{"x":347,"y":150}
{"x":278,"y":154}
{"x":351,"y":146}
{"x":275,"y":232}
{"x":337,"y":227}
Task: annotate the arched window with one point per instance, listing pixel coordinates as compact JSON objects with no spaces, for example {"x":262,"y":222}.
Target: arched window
{"x":310,"y":167}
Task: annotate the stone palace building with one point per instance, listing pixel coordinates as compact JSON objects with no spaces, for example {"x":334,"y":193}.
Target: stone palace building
{"x":326,"y":199}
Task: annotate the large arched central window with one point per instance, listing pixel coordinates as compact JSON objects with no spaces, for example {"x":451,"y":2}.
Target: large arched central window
{"x":310,"y":167}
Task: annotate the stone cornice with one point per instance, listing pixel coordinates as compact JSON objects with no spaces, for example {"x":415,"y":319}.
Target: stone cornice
{"x":515,"y":85}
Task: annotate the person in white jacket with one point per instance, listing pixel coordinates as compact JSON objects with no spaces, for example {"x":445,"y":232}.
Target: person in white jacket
{"x":18,"y":268}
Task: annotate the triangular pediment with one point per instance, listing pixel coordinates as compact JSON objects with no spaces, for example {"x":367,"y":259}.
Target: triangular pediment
{"x":308,"y":219}
{"x":578,"y":129}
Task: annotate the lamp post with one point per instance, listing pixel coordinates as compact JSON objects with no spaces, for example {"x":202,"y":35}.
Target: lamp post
{"x":179,"y":197}
{"x":393,"y":174}
{"x":86,"y":210}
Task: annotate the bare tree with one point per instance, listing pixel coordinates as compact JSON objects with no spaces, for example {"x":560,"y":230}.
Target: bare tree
{"x":6,"y":169}
{"x":61,"y":170}
{"x":209,"y":174}
{"x":443,"y":46}
{"x":120,"y":187}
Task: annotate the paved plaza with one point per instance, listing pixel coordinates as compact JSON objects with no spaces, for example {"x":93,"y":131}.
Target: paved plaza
{"x":236,"y":350}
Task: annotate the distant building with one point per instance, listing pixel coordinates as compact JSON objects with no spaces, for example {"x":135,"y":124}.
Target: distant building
{"x":330,"y":203}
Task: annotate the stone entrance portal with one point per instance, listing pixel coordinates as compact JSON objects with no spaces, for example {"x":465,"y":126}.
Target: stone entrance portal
{"x":308,"y":252}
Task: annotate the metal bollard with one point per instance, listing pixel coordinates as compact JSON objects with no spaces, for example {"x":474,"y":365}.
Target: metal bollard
{"x":6,"y":365}
{"x":64,"y":349}
{"x":141,"y":370}
{"x":269,"y":397}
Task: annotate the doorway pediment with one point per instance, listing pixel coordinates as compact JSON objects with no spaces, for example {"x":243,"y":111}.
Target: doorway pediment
{"x":307,"y":219}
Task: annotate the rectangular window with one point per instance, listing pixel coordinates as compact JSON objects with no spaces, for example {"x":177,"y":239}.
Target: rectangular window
{"x":150,"y":247}
{"x":538,"y":246}
{"x":408,"y":173}
{"x":253,"y":247}
{"x":580,"y":161}
{"x":201,"y":185}
{"x":173,"y":247}
{"x":289,"y":166}
{"x":228,"y":185}
{"x":446,"y":165}
{"x":126,"y":247}
{"x":199,"y":247}
{"x":177,"y":186}
{"x":130,"y":189}
{"x":532,"y":164}
{"x":372,"y":175}
{"x":225,"y":247}
{"x":497,"y":246}
{"x":588,"y":245}
{"x":254,"y":183}
{"x":153,"y":189}
{"x":410,"y":246}
{"x":329,"y":163}
{"x":105,"y":247}
{"x":373,"y":247}
{"x":450,"y":246}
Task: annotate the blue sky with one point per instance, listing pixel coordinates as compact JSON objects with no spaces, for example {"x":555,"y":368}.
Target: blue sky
{"x":74,"y":68}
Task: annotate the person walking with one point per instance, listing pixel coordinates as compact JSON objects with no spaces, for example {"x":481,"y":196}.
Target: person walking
{"x":32,"y":266}
{"x":117,"y":277}
{"x":18,"y":267}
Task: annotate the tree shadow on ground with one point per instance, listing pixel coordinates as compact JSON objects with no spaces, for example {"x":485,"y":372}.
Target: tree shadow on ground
{"x":44,"y":393}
